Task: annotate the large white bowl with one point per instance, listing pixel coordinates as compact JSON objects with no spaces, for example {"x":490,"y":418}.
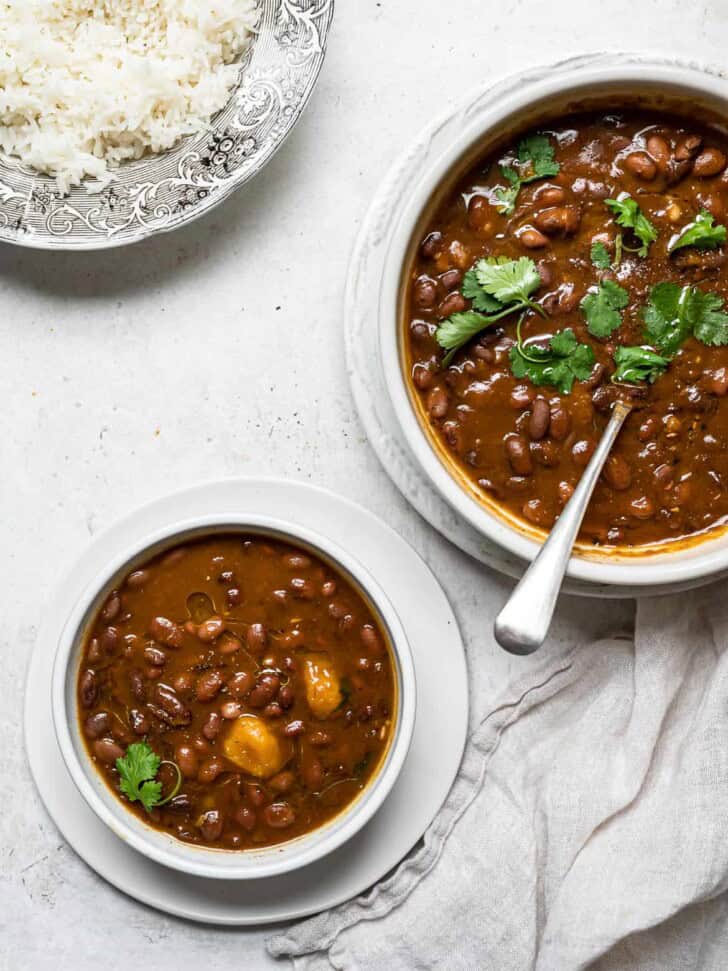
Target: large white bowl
{"x":546,"y":94}
{"x":161,"y":847}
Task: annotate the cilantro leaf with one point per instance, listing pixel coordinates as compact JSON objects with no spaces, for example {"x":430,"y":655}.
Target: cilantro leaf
{"x":482,"y":301}
{"x":629,"y":215}
{"x":701,"y":233}
{"x":499,"y":287}
{"x":559,"y":364}
{"x":537,"y":152}
{"x":637,"y":364}
{"x":536,"y":161}
{"x":508,"y":280}
{"x":138,"y":770}
{"x":600,"y":256}
{"x":458,"y":329}
{"x":673,"y":313}
{"x":601,"y":308}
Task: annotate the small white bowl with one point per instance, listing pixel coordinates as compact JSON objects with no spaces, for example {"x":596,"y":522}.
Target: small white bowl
{"x":546,"y":94}
{"x":161,"y":847}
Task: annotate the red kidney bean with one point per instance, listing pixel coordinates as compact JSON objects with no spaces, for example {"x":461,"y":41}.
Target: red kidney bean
{"x":245,"y":817}
{"x":208,"y":685}
{"x":110,"y":640}
{"x":184,"y":683}
{"x":210,"y":769}
{"x":328,"y":588}
{"x":272,"y":710}
{"x":111,"y":608}
{"x":431,"y":246}
{"x":538,"y":423}
{"x":240,"y":684}
{"x":209,"y":630}
{"x":212,"y":726}
{"x":546,"y":453}
{"x":479,"y":213}
{"x":286,"y":696}
{"x":294,"y":728}
{"x":154,"y":656}
{"x":256,"y":637}
{"x":266,"y":688}
{"x":550,"y":195}
{"x":424,"y":293}
{"x":535,"y":512}
{"x":582,"y":451}
{"x":641,"y":165}
{"x":532,"y":239}
{"x":297,"y":561}
{"x":211,"y":825}
{"x":451,"y":279}
{"x":560,"y":423}
{"x":321,"y":739}
{"x":642,"y":508}
{"x":558,"y":220}
{"x":97,"y":725}
{"x":303,"y":589}
{"x":167,"y":699}
{"x":659,"y":149}
{"x":518,"y":454}
{"x":228,"y":644}
{"x":710,"y":162}
{"x":230,"y":709}
{"x":438,"y":402}
{"x":107,"y":750}
{"x":255,"y":794}
{"x":187,"y":760}
{"x":88,"y":688}
{"x":688,"y":147}
{"x":279,"y":815}
{"x":617,"y":472}
{"x":137,"y":579}
{"x":454,"y":303}
{"x":166,"y":632}
{"x":566,"y":491}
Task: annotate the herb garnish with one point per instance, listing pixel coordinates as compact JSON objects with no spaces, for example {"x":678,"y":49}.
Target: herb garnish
{"x":701,"y":233}
{"x":600,"y":256}
{"x":535,"y":161}
{"x":138,"y":771}
{"x":601,"y":307}
{"x":673,"y":313}
{"x":629,"y":215}
{"x":637,"y":364}
{"x":559,"y":364}
{"x":498,"y":285}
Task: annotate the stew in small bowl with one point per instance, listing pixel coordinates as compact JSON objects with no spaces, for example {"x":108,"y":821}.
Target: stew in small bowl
{"x":235,"y":700}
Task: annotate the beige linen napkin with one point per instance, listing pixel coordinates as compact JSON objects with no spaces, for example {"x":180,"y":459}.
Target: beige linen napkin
{"x":588,"y":826}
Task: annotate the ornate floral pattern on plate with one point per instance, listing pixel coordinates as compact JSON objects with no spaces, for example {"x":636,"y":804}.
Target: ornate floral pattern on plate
{"x":162,"y":192}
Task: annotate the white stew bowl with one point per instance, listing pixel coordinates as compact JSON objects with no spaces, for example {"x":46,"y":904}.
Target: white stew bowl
{"x":161,"y":847}
{"x":485,"y":123}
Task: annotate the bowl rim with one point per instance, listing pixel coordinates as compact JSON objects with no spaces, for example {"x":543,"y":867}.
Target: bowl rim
{"x":212,"y":862}
{"x":550,"y":82}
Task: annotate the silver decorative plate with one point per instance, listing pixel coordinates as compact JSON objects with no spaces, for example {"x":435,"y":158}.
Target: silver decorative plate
{"x":162,"y":192}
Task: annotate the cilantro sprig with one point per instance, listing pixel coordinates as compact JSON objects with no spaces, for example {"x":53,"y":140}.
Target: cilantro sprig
{"x":628,"y":215}
{"x":535,"y":161}
{"x":601,"y":308}
{"x":138,"y":773}
{"x":636,"y":365}
{"x":497,"y":287}
{"x":559,"y":364}
{"x":701,"y":233}
{"x":674,"y":313}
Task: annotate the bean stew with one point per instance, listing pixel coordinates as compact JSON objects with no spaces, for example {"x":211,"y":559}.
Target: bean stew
{"x":236,"y":692}
{"x":585,"y":261}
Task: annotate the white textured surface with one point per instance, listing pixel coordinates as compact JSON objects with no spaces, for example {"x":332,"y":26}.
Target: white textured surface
{"x":129,"y":373}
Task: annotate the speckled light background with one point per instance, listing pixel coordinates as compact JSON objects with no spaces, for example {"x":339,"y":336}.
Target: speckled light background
{"x":218,"y":351}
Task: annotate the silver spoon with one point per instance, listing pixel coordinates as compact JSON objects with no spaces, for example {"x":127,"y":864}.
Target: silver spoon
{"x":522,"y":625}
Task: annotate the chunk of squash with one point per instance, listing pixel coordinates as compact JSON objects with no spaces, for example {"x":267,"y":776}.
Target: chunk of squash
{"x":323,"y":686}
{"x":254,"y":748}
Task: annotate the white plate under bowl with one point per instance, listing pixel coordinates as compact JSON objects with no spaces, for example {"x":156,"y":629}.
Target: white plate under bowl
{"x":364,"y":316}
{"x":425,"y":779}
{"x":162,"y":192}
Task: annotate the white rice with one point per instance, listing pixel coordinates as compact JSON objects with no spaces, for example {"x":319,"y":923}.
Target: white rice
{"x":87,"y":84}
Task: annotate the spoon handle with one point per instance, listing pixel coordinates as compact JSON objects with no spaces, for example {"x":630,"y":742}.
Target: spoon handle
{"x":523,"y":623}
